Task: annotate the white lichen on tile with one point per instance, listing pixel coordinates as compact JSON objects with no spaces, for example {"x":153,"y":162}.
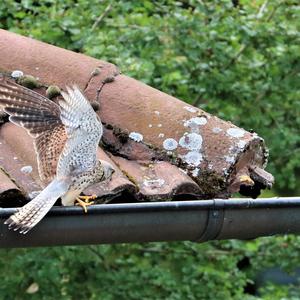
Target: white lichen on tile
{"x":225,"y":171}
{"x":159,"y":125}
{"x":232,"y":148}
{"x":157,"y":112}
{"x":191,"y":141}
{"x":161,"y":135}
{"x":217,"y":130}
{"x":196,"y":121}
{"x":154,"y":183}
{"x":241,"y":144}
{"x":26,"y":169}
{"x":196,"y":172}
{"x":17,"y":74}
{"x":236,"y":132}
{"x":150,"y":125}
{"x":137,"y":137}
{"x":229,"y":159}
{"x":192,"y":158}
{"x":170,"y":144}
{"x":190,"y":109}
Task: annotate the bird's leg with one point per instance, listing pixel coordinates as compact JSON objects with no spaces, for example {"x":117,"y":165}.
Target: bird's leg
{"x":84,"y":201}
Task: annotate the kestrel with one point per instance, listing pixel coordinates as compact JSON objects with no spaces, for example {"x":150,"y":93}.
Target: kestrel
{"x":66,"y":138}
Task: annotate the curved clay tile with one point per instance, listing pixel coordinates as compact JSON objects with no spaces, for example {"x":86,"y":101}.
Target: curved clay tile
{"x":144,"y":124}
{"x":10,"y":194}
{"x":157,"y":180}
{"x":17,"y":159}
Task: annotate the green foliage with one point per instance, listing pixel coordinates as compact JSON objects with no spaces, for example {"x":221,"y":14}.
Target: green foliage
{"x":172,"y":271}
{"x":151,"y":271}
{"x":239,"y":62}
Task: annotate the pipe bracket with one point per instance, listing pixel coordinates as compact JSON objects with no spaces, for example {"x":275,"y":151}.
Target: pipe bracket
{"x":214,"y":222}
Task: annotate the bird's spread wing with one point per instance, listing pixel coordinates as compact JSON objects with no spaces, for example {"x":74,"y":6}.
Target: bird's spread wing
{"x":41,"y":118}
{"x":84,"y":131}
{"x":75,"y":110}
{"x":66,"y":137}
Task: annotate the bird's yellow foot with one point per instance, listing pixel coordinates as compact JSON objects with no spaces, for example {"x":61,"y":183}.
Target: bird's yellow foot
{"x":245,"y":179}
{"x":84,"y":201}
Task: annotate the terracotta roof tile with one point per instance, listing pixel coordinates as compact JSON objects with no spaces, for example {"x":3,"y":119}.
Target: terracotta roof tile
{"x":33,"y":57}
{"x":116,"y":187}
{"x":14,"y":161}
{"x":10,"y":195}
{"x":161,"y":146}
{"x":157,"y":180}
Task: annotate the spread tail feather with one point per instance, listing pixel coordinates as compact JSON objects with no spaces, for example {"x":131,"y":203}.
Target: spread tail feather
{"x":33,"y":212}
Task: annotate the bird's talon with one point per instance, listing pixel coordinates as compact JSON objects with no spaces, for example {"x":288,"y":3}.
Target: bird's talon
{"x":85,"y":203}
{"x":245,"y":179}
{"x":87,"y":198}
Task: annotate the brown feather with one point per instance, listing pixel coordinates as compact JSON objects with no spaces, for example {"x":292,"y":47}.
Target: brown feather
{"x":41,"y":118}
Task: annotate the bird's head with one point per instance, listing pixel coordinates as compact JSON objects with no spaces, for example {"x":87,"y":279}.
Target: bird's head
{"x":108,"y":169}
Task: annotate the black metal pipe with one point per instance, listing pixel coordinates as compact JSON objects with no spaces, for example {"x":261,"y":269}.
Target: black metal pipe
{"x":159,"y":221}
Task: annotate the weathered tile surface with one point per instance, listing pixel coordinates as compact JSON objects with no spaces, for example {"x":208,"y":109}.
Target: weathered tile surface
{"x":161,"y":146}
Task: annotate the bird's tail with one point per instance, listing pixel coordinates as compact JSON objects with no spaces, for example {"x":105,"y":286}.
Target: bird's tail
{"x":31,"y":213}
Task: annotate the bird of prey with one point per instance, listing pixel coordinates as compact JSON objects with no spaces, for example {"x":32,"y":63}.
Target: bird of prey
{"x":66,"y":138}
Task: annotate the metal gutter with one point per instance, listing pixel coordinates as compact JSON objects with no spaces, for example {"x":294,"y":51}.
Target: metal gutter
{"x":197,"y":221}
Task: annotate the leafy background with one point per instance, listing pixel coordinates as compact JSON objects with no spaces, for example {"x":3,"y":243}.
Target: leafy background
{"x":236,"y":59}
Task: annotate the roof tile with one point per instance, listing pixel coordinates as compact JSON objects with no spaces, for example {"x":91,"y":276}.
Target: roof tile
{"x":157,"y":180}
{"x":10,"y":195}
{"x":13,"y":159}
{"x":161,"y":146}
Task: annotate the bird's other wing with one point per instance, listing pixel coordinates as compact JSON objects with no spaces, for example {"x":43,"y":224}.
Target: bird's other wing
{"x":41,"y":118}
{"x":84,"y":131}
